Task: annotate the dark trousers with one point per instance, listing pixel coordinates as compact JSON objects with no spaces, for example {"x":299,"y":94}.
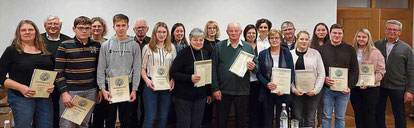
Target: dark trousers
{"x":224,"y":106}
{"x":319,"y":113}
{"x":55,"y":96}
{"x":208,"y":114}
{"x":364,"y":103}
{"x":255,"y":106}
{"x":269,"y":104}
{"x":189,"y":112}
{"x":135,"y":121}
{"x":124,"y":114}
{"x":304,"y":109}
{"x":398,"y":108}
{"x":99,"y":115}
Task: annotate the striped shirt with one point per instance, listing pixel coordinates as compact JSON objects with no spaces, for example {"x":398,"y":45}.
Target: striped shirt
{"x":76,"y":65}
{"x":159,"y":58}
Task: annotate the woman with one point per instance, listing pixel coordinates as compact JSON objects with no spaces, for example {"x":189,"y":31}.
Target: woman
{"x":364,"y":99}
{"x":305,"y":103}
{"x":178,"y":38}
{"x":158,"y":52}
{"x":263,"y":26}
{"x":255,"y":107}
{"x":211,"y":33}
{"x":320,"y":35}
{"x":279,"y":57}
{"x":189,"y":100}
{"x":98,"y":30}
{"x":26,"y":53}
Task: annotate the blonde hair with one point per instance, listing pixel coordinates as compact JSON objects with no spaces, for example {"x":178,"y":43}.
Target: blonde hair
{"x":38,"y":41}
{"x":275,"y":32}
{"x":153,"y":42}
{"x":300,"y":33}
{"x":217,"y":29}
{"x":370,"y":44}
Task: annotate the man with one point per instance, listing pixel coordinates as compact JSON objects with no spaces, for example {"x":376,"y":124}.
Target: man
{"x":398,"y":82}
{"x":288,"y":30}
{"x":227,"y":87}
{"x":341,"y":55}
{"x":120,"y":56}
{"x":142,"y":39}
{"x":76,"y":62}
{"x":52,"y":38}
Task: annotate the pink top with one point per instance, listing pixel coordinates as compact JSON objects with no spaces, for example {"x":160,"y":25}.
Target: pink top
{"x":378,"y":61}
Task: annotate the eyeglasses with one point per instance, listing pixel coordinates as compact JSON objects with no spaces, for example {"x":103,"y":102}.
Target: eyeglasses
{"x":274,"y":38}
{"x":162,"y":32}
{"x":97,"y":27}
{"x":83,"y":28}
{"x":392,"y":30}
{"x":140,"y":28}
{"x":211,"y":28}
{"x":51,"y":24}
{"x":290,"y":29}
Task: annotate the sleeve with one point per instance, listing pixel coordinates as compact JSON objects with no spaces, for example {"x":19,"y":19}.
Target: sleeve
{"x":380,"y":67}
{"x":5,"y":62}
{"x":410,"y":72}
{"x":320,"y":69}
{"x":256,"y":62}
{"x":353,"y":71}
{"x":102,"y":65}
{"x":260,"y":74}
{"x":145,"y":57}
{"x":214,"y":68}
{"x":175,"y":71}
{"x":136,"y":73}
{"x":60,"y":66}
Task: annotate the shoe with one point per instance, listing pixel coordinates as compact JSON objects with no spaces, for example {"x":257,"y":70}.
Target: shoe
{"x":411,"y":116}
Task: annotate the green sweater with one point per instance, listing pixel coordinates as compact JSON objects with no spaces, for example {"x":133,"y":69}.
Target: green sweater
{"x":222,"y":79}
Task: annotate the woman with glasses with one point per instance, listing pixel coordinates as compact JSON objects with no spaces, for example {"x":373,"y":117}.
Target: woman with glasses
{"x":98,"y":30}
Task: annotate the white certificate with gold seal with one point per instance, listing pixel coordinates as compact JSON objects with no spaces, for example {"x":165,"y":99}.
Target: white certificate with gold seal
{"x":119,"y":89}
{"x":80,"y":109}
{"x":305,"y":80}
{"x":203,"y":69}
{"x":281,"y":77}
{"x":340,"y":78}
{"x":160,"y":77}
{"x":239,"y":66}
{"x":366,"y":75}
{"x":41,"y":81}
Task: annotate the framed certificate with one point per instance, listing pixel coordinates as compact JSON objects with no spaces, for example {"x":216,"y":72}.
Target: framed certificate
{"x":305,"y":80}
{"x":203,"y":69}
{"x":160,"y":77}
{"x":281,"y":77}
{"x":340,"y":77}
{"x":119,"y":89}
{"x":366,"y":75}
{"x":41,"y":81}
{"x":78,"y":112}
{"x":239,"y":66}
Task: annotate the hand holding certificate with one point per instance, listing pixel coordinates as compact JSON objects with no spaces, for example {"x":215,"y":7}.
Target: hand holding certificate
{"x":239,"y":66}
{"x":281,"y":77}
{"x":340,"y":78}
{"x":41,"y":81}
{"x":305,"y":80}
{"x":160,"y":78}
{"x":203,"y":69}
{"x":366,"y":75}
{"x":78,"y":112}
{"x":119,"y":89}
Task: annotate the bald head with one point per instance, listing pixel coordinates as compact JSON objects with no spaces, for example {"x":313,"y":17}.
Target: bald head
{"x":234,"y":31}
{"x":140,"y":28}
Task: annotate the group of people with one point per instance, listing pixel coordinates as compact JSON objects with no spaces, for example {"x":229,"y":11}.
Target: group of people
{"x":86,"y":62}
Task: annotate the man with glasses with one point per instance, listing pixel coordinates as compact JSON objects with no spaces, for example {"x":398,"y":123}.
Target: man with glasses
{"x":141,"y":30}
{"x":398,"y":82}
{"x":76,"y":63}
{"x":52,"y":38}
{"x":288,"y":30}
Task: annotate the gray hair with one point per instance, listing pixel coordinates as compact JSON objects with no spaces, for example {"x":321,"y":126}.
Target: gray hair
{"x":51,"y":17}
{"x":196,"y":32}
{"x":286,"y":23}
{"x":396,"y":22}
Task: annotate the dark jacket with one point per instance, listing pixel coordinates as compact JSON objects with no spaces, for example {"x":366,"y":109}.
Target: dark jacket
{"x":399,"y":66}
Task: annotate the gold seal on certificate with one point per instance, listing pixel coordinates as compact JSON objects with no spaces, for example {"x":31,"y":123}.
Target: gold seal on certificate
{"x":239,"y":66}
{"x":41,"y":81}
{"x":80,"y":109}
{"x":366,"y":75}
{"x":203,"y":69}
{"x":281,"y":77}
{"x":119,"y":89}
{"x":160,"y":77}
{"x":340,"y":78}
{"x":305,"y":80}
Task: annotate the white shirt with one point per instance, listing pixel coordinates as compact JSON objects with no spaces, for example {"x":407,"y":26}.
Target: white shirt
{"x":262,"y":44}
{"x":50,"y":38}
{"x":239,"y":43}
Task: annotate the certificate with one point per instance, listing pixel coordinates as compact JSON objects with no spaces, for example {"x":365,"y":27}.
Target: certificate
{"x":305,"y":80}
{"x":119,"y":89}
{"x":281,"y":77}
{"x":203,"y":69}
{"x":239,"y":66}
{"x":80,"y":109}
{"x":41,"y":81}
{"x":340,"y":77}
{"x":160,"y":77}
{"x":366,"y":75}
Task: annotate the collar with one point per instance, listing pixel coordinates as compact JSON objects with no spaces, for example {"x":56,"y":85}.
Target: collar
{"x":342,"y":43}
{"x":394,"y":41}
{"x":50,"y":38}
{"x":239,"y":42}
{"x":80,"y":43}
{"x":264,"y":40}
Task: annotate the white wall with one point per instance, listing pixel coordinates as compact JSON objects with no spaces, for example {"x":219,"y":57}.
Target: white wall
{"x":192,"y":13}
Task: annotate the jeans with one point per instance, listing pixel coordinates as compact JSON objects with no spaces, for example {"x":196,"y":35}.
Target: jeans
{"x":154,"y":100}
{"x":189,"y":112}
{"x":90,"y":94}
{"x":398,"y":107}
{"x":304,"y":109}
{"x":338,"y":101}
{"x":364,"y":102}
{"x":24,"y":110}
{"x":240,"y":107}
